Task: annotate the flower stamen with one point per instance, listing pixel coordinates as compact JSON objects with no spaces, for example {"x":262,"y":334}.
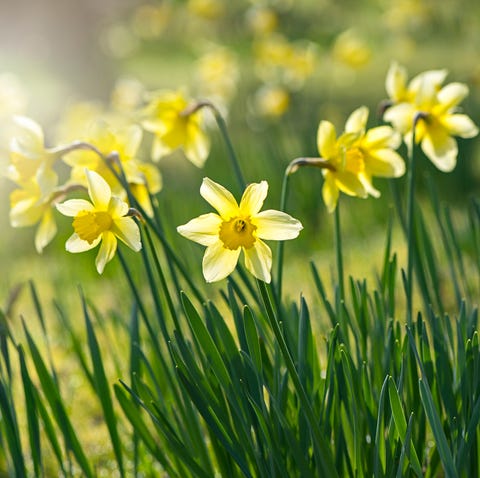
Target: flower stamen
{"x":237,"y":232}
{"x":89,"y":225}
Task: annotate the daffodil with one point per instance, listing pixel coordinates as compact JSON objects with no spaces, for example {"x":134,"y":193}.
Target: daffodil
{"x":432,"y":110}
{"x":167,"y":116}
{"x":352,"y":159}
{"x":236,"y":228}
{"x":143,"y":178}
{"x":102,"y":220}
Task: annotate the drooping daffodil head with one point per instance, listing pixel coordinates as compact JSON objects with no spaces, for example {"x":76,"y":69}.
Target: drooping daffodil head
{"x":175,"y":124}
{"x":237,"y":228}
{"x":102,"y":220}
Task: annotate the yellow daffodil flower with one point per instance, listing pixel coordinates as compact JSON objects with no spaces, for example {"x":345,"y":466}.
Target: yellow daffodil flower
{"x":356,"y":156}
{"x":238,"y":228}
{"x":144,"y":178}
{"x":104,"y":219}
{"x":433,"y":110}
{"x":168,"y":118}
{"x":31,"y":205}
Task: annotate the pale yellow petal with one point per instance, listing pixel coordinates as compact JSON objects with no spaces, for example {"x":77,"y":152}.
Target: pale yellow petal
{"x":276,"y":225}
{"x":219,"y":198}
{"x":326,"y":139}
{"x":107,"y":250}
{"x":98,"y":190}
{"x":396,"y":82}
{"x":349,"y":184}
{"x":385,"y":163}
{"x":451,"y":95}
{"x":30,"y":137}
{"x":441,"y":149}
{"x":459,"y":125}
{"x":46,"y":231}
{"x":219,"y":262}
{"x":75,"y":244}
{"x":253,"y":198}
{"x":197,"y":147}
{"x":25,"y":212}
{"x":330,"y":192}
{"x":47,"y":180}
{"x":132,"y":137}
{"x":159,"y":149}
{"x":72,"y":207}
{"x":366,"y":180}
{"x":117,"y":207}
{"x":258,"y":260}
{"x":126,"y":229}
{"x":401,"y":116}
{"x":381,"y":137}
{"x":203,"y":229}
{"x":357,"y":121}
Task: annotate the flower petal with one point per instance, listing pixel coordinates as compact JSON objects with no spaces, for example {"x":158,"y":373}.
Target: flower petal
{"x":75,"y":244}
{"x":219,"y":262}
{"x":203,"y":229}
{"x":197,"y":146}
{"x":219,"y":198}
{"x":381,"y":137}
{"x":106,"y":251}
{"x":349,"y":184}
{"x":357,"y":121}
{"x":253,"y":198}
{"x":126,"y":229}
{"x":396,"y":82}
{"x":46,"y":231}
{"x":326,"y":139}
{"x":401,"y":116}
{"x":451,"y":95}
{"x":72,"y":207}
{"x":385,"y":163}
{"x":117,"y":207}
{"x":98,"y":190}
{"x":258,"y":260}
{"x":330,"y":192}
{"x":276,"y":225}
{"x":459,"y":125}
{"x":440,"y":148}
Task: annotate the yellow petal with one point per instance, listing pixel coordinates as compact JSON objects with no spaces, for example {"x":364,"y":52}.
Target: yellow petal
{"x":75,"y":244}
{"x":46,"y":231}
{"x":349,"y":184}
{"x":326,"y":139}
{"x":117,"y":207}
{"x":219,"y":262}
{"x":219,"y":198}
{"x":385,"y":163}
{"x":357,"y":121}
{"x":72,"y":207}
{"x":258,"y":260}
{"x":197,"y":147}
{"x":396,"y":82}
{"x":106,"y":251}
{"x":330,"y":192}
{"x":459,"y":125}
{"x":98,"y":190}
{"x":451,"y":95}
{"x":126,"y":229}
{"x":276,"y":225}
{"x":253,"y":198}
{"x":441,"y":149}
{"x":401,"y":116}
{"x":381,"y":137}
{"x":203,"y":229}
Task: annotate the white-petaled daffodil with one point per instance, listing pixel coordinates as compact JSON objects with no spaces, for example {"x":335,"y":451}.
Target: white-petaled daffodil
{"x":104,"y":219}
{"x":236,"y":228}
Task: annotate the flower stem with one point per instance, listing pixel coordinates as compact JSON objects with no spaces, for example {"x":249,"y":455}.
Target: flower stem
{"x":320,"y":442}
{"x":411,"y":224}
{"x":281,"y":244}
{"x":338,"y":253}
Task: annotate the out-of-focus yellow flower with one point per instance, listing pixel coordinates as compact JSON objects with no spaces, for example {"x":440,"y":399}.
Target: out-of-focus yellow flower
{"x":208,"y":9}
{"x":217,"y":75}
{"x":125,"y":141}
{"x":261,"y":20}
{"x":350,"y":49}
{"x":168,"y":118}
{"x":13,"y":97}
{"x":149,"y":20}
{"x":272,"y":101}
{"x":434,"y":111}
{"x":30,"y":205}
{"x":356,"y":156}
{"x":238,"y":228}
{"x":127,"y":95}
{"x":104,"y":219}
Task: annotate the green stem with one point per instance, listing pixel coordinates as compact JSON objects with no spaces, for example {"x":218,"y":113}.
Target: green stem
{"x":339,"y":254}
{"x":411,"y":225}
{"x":281,"y":244}
{"x":321,"y":443}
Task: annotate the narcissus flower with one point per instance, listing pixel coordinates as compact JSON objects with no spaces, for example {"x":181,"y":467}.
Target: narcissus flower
{"x":167,"y":116}
{"x":236,"y":228}
{"x":352,"y":159}
{"x":102,"y":220}
{"x":432,"y":110}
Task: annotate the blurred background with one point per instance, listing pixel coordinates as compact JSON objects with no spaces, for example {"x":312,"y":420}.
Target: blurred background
{"x":274,"y":67}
